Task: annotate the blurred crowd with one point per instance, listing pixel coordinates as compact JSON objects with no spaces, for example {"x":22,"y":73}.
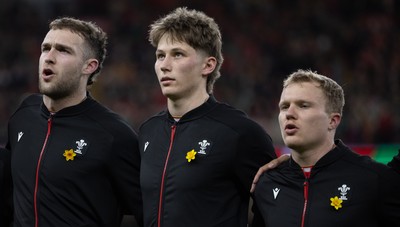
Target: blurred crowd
{"x":355,"y":42}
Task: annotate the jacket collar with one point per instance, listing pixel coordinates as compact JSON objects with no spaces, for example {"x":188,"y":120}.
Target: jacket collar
{"x":330,"y":157}
{"x":71,"y":110}
{"x":199,"y":111}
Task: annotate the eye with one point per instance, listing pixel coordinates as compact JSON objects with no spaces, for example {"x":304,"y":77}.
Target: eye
{"x":304,"y":105}
{"x":283,"y":107}
{"x":63,"y":50}
{"x":160,"y":56}
{"x":178,"y":55}
{"x":45,"y":49}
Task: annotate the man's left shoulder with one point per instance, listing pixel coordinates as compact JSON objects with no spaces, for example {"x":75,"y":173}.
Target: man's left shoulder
{"x":368,"y":164}
{"x":235,"y":118}
{"x":110,"y":119}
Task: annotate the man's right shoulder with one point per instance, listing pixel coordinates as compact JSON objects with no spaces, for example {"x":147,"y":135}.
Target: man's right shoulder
{"x":162,"y":115}
{"x":31,"y":100}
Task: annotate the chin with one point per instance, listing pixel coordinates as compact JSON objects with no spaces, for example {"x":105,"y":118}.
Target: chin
{"x":44,"y":89}
{"x":166,"y":92}
{"x":170,"y":95}
{"x":292,"y":143}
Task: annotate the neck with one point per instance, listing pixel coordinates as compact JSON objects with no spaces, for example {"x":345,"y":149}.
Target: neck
{"x":55,"y":105}
{"x":308,"y":157}
{"x":179,"y":107}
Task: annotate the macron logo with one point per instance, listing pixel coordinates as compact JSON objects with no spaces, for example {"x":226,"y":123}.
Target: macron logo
{"x":145,"y":146}
{"x":20,"y":134}
{"x":276,"y":192}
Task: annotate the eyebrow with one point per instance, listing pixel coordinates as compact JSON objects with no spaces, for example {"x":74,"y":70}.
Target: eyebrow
{"x":58,"y":46}
{"x":172,"y":50}
{"x":297,"y":101}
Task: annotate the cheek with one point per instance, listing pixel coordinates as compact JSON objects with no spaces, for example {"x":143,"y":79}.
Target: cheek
{"x":156,"y":65}
{"x":189,"y":66}
{"x":320,"y":123}
{"x":281,"y":119}
{"x":41,"y":60}
{"x":157,"y":69}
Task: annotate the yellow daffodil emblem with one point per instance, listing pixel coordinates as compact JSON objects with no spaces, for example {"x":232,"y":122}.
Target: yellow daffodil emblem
{"x":69,"y":154}
{"x":191,"y":155}
{"x":336,"y":202}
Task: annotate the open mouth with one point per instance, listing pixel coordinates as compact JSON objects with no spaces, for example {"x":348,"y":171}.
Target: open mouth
{"x":47,"y":74}
{"x":290,"y":129}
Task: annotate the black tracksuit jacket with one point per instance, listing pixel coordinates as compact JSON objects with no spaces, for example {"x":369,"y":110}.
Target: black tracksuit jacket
{"x":213,"y":189}
{"x":95,"y":188}
{"x":369,"y":191}
{"x":5,"y":188}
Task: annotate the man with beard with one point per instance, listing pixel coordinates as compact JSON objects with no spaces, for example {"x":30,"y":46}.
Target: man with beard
{"x":74,"y":162}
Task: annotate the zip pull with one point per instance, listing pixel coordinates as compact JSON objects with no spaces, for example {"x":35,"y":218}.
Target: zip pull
{"x":49,"y":121}
{"x":305,"y":187}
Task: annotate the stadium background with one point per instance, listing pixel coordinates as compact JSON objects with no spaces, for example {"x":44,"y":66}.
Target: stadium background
{"x":355,"y":42}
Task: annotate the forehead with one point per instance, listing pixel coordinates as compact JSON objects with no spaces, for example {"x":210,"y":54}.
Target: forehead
{"x":307,"y":91}
{"x":167,"y":41}
{"x":63,"y":37}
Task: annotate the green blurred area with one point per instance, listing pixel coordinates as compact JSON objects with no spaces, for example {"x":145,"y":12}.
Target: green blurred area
{"x":385,"y":152}
{"x":382,"y":153}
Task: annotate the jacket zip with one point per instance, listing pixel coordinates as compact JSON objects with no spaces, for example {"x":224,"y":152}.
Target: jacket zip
{"x":303,"y":217}
{"x":173,"y":129}
{"x":35,"y":207}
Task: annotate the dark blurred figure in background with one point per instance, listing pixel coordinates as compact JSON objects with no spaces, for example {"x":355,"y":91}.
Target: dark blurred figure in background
{"x":395,"y":162}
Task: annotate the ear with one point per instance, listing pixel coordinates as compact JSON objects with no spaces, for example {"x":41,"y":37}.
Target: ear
{"x":209,"y":66}
{"x":90,"y":66}
{"x":335,"y":119}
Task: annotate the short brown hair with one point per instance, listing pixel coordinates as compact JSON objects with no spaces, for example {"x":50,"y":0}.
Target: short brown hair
{"x":93,"y":35}
{"x":194,"y":28}
{"x":333,"y":91}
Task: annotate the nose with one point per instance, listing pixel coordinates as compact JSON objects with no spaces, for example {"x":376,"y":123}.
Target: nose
{"x":165,"y":64}
{"x":49,"y":56}
{"x":290,"y":112}
{"x":163,"y":69}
